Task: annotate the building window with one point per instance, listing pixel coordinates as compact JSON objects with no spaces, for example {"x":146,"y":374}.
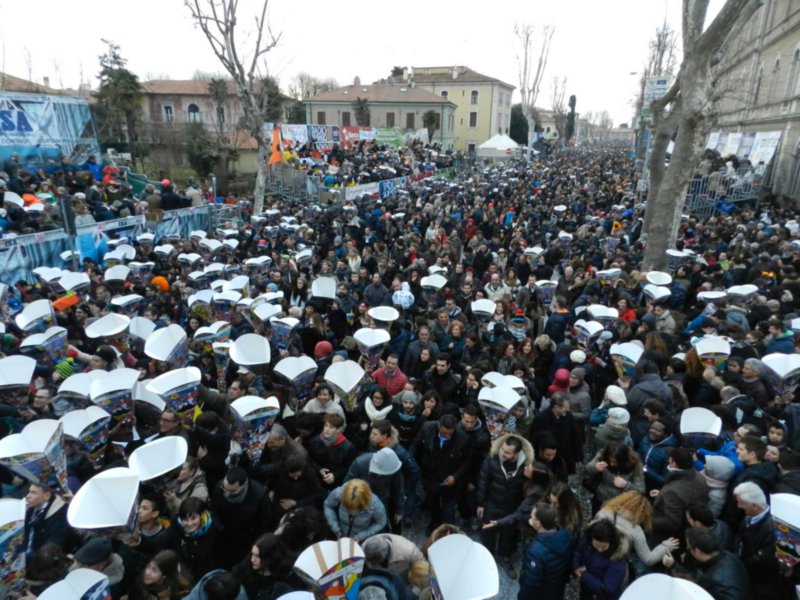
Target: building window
{"x":791,"y":84}
{"x":471,"y":148}
{"x":346,"y":119}
{"x":168,"y":116}
{"x":320,"y":117}
{"x":221,"y":115}
{"x":410,"y":121}
{"x":444,"y":94}
{"x":473,"y":119}
{"x":773,"y":81}
{"x":390,"y":119}
{"x":473,"y":97}
{"x":194,"y":113}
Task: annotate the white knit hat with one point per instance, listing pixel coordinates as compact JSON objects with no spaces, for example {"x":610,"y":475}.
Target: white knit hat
{"x":618,"y":416}
{"x":616,"y":395}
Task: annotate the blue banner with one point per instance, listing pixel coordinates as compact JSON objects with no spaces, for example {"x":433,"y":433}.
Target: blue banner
{"x":40,"y":129}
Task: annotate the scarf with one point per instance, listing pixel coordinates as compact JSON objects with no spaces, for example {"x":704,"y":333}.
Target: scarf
{"x":205,"y":526}
{"x":331,"y":442}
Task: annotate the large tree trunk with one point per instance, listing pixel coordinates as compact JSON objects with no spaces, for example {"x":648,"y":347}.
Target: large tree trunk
{"x":666,"y":207}
{"x":261,"y":178}
{"x":531,"y":135}
{"x":655,"y":161}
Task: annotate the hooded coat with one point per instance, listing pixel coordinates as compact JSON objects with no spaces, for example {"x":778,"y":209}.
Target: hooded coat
{"x":604,"y":575}
{"x":718,"y":472}
{"x":545,"y":566}
{"x":501,"y":487}
{"x":199,"y":592}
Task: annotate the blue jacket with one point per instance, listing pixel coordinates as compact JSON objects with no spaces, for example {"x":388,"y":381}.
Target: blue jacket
{"x":604,"y":575}
{"x":784,"y":344}
{"x":545,"y":569}
{"x":655,"y":459}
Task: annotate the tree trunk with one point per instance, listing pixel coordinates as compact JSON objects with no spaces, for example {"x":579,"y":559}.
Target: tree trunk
{"x":222,"y":173}
{"x":670,"y":197}
{"x":531,"y":135}
{"x":655,"y":162}
{"x":261,"y":178}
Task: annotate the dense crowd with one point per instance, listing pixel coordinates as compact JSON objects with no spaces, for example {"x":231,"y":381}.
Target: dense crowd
{"x":423,"y":443}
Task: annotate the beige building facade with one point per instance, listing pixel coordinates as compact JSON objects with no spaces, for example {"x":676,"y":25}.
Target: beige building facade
{"x":398,"y":106}
{"x":483,"y":103}
{"x":760,"y":88}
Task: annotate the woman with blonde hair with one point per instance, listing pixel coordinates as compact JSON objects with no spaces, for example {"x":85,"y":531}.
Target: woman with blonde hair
{"x":353,"y":511}
{"x":632,"y":514}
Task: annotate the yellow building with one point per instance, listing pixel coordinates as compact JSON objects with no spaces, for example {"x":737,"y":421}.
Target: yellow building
{"x":483,"y":103}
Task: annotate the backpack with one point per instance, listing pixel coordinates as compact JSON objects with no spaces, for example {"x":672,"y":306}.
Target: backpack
{"x":680,"y":400}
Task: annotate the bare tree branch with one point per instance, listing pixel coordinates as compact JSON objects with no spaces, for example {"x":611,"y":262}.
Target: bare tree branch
{"x":218,"y":20}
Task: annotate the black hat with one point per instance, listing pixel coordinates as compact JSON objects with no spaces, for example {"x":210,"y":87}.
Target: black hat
{"x":94,"y":551}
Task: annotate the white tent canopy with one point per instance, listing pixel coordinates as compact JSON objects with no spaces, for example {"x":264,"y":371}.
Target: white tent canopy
{"x":498,"y":146}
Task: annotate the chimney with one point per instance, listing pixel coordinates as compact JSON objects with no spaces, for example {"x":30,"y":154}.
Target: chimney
{"x":413,"y":83}
{"x":46,"y":81}
{"x":455,"y":72}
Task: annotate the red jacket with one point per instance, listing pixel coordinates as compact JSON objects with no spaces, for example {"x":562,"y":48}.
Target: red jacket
{"x":394,"y":384}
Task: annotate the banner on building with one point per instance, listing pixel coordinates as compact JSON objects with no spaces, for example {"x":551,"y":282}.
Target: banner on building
{"x":40,"y":129}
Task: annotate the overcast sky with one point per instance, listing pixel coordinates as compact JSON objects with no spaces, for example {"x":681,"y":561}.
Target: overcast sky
{"x":597,"y":44}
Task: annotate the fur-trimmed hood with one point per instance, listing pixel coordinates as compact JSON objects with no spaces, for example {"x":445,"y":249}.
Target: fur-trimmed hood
{"x":624,"y":545}
{"x":525,"y":457}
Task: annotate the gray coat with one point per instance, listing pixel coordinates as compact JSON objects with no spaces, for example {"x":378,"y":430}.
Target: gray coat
{"x":363,"y":524}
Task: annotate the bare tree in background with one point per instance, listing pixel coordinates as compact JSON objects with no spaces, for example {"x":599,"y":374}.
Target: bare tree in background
{"x":686,"y":111}
{"x":305,"y":86}
{"x":218,"y":20}
{"x":558,"y":107}
{"x":531,"y":70}
{"x":662,"y":60}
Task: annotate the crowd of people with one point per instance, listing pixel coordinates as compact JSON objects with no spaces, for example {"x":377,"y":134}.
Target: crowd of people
{"x":421,"y":444}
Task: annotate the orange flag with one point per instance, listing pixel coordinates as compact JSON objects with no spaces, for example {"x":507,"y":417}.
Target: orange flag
{"x":276,"y":156}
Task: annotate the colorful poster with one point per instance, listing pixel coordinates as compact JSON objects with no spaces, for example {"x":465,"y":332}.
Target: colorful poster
{"x":254,"y":427}
{"x":319,"y":134}
{"x":94,"y":440}
{"x":54,"y":349}
{"x":304,"y":384}
{"x":223,"y":309}
{"x":281,"y":333}
{"x":117,"y":403}
{"x":12,"y":544}
{"x":48,"y":466}
{"x":624,"y":365}
{"x":182,"y":400}
{"x":179,"y":357}
{"x":343,"y":580}
{"x":787,"y":542}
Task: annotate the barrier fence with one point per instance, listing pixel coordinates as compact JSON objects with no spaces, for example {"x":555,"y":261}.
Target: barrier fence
{"x":298,"y":183}
{"x":20,"y":255}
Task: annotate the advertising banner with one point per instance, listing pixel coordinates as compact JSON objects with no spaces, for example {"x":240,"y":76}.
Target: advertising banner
{"x":40,"y":129}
